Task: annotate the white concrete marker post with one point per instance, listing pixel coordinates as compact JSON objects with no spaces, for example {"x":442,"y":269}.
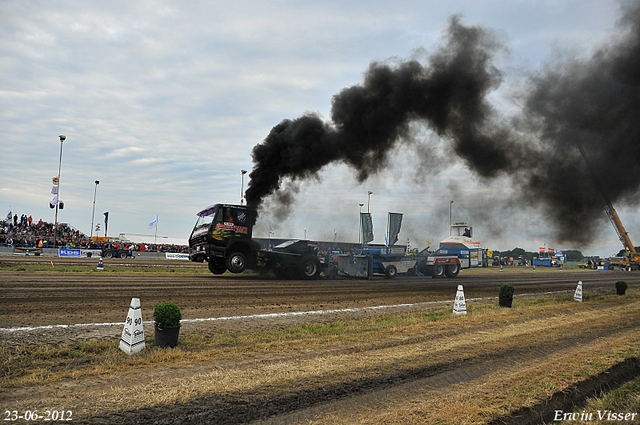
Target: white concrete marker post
{"x":578,"y":294}
{"x":132,"y":339}
{"x":459,"y":305}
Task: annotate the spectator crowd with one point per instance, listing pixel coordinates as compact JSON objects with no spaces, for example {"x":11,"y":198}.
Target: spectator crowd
{"x":25,"y":232}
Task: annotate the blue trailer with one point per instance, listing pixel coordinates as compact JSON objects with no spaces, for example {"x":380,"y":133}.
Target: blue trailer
{"x":459,"y":251}
{"x":393,"y":261}
{"x":557,"y":260}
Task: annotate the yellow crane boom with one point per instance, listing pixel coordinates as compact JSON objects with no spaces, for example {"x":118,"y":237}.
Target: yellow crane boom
{"x":632,"y":255}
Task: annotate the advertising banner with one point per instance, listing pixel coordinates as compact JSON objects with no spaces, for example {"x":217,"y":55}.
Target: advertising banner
{"x":27,"y":251}
{"x":177,"y":256}
{"x":69,"y":252}
{"x":367,"y":227}
{"x":77,"y":253}
{"x":395,"y":223}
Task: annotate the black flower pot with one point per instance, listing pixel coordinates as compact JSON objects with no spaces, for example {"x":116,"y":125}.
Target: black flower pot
{"x":166,"y":336}
{"x":505,"y":301}
{"x":621,"y":287}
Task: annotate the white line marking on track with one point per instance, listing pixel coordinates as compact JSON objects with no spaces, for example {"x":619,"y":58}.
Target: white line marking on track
{"x":264,"y":316}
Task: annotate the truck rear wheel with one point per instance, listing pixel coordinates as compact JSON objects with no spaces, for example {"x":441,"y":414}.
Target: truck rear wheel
{"x":309,"y":267}
{"x":216,"y":268}
{"x":122,"y":254}
{"x":236,"y":262}
{"x":452,"y":270}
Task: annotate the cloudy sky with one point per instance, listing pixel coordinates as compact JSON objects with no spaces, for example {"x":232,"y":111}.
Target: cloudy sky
{"x":163,"y":101}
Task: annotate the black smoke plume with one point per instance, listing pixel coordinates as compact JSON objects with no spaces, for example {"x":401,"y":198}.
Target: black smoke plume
{"x":594,"y":101}
{"x":369,"y":120}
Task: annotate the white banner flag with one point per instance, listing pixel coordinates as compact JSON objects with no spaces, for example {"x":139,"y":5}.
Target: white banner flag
{"x":54,"y":190}
{"x":153,"y":223}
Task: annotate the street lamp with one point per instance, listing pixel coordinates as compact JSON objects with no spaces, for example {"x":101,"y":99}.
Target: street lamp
{"x":369,"y":203}
{"x":243,"y":172}
{"x":360,"y":223}
{"x":93,"y":213}
{"x":55,"y":231}
{"x":450,"y":203}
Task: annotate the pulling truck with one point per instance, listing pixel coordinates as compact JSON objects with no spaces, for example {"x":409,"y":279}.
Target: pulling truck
{"x":463,"y":245}
{"x":222,"y":236}
{"x":458,"y":251}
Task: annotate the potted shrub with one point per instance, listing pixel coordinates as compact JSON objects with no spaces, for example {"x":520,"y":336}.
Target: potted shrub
{"x":621,"y":287}
{"x":506,"y":295}
{"x":167,"y":318}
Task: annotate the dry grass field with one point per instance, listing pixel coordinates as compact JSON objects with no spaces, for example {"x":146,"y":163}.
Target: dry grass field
{"x":321,"y":352}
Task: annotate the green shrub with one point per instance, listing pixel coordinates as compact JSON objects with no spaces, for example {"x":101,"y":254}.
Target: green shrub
{"x":167,"y":314}
{"x":506,"y":291}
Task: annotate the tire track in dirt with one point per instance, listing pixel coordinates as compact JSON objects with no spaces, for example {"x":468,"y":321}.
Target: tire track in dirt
{"x":466,"y":371}
{"x":292,"y":405}
{"x":575,"y":397}
{"x":47,"y":298}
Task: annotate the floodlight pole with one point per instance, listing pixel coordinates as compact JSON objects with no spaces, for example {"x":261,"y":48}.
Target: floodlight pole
{"x":55,"y":231}
{"x":360,"y":230}
{"x":93,"y":213}
{"x":450,"y":203}
{"x":242,"y":172}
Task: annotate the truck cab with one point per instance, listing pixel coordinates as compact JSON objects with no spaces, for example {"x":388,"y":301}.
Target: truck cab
{"x":222,"y":237}
{"x":462,"y":243}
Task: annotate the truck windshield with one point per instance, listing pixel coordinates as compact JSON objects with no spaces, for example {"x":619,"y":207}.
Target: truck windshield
{"x":204,"y":221}
{"x":206,"y":217}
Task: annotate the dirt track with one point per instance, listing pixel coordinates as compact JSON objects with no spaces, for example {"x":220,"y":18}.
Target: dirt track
{"x":408,"y":369}
{"x":40,"y":298}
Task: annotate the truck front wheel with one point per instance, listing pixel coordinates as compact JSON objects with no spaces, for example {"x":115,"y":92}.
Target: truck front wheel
{"x":236,"y":262}
{"x":309,"y":267}
{"x":391,"y":271}
{"x":437,"y":271}
{"x":216,"y":268}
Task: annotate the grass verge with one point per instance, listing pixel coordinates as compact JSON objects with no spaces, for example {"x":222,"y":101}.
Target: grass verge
{"x":41,"y":364}
{"x":275,"y":361}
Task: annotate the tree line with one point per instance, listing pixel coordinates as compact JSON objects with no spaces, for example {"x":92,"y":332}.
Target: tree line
{"x":571,"y":254}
